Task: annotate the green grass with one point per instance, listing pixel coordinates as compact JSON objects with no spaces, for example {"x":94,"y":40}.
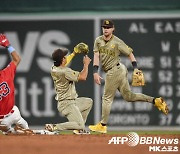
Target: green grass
{"x":1,"y":132}
{"x":126,"y":132}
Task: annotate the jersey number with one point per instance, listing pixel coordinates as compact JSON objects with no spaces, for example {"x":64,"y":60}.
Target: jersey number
{"x":4,"y":90}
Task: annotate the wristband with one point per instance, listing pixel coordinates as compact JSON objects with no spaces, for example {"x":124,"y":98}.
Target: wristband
{"x":95,"y":68}
{"x":134,"y":64}
{"x":10,"y":49}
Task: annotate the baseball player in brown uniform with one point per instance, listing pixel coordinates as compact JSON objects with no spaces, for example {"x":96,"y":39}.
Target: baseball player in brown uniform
{"x":107,"y":49}
{"x":75,"y":108}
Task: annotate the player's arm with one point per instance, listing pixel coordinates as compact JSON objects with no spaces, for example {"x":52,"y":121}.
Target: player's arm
{"x":127,"y":51}
{"x":97,"y":77}
{"x":5,"y":43}
{"x":69,"y":58}
{"x":131,"y":57}
{"x":15,"y":58}
{"x":133,"y":60}
{"x":83,"y":74}
{"x":96,"y":59}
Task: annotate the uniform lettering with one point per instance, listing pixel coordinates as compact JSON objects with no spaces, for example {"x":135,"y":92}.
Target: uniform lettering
{"x":4,"y":90}
{"x":107,"y":52}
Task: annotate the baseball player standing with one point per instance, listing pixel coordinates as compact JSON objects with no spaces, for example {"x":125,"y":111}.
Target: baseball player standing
{"x":74,"y":108}
{"x":9,"y":113}
{"x":107,"y":49}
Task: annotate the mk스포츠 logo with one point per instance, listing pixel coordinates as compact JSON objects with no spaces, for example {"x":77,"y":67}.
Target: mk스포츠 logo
{"x":155,"y":143}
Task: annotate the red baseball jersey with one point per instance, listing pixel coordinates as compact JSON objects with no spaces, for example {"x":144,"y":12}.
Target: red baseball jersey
{"x":7,"y":97}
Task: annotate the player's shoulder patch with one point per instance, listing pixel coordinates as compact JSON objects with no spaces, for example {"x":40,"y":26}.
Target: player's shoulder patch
{"x":113,"y":46}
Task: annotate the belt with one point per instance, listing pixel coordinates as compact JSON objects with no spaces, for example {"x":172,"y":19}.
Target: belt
{"x":113,"y":66}
{"x":7,"y":115}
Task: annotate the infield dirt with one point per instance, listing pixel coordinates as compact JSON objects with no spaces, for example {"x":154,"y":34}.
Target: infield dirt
{"x":73,"y":144}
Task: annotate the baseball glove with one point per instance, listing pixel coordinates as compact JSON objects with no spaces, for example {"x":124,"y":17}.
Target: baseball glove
{"x":138,"y":78}
{"x":81,"y":48}
{"x":4,"y":41}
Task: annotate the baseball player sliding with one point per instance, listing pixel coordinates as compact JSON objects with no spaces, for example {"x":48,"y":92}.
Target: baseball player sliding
{"x":74,"y":108}
{"x":107,"y":49}
{"x":9,"y":113}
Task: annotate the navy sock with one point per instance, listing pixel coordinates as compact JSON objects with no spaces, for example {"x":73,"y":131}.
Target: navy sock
{"x":103,"y":124}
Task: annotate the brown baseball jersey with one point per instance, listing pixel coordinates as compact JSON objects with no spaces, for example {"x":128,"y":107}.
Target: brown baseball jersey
{"x":64,"y":82}
{"x":110,"y":51}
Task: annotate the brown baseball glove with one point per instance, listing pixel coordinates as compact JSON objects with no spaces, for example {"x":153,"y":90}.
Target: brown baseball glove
{"x":138,"y":78}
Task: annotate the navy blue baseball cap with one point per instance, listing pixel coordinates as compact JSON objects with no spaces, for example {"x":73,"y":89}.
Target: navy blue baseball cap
{"x":107,"y":23}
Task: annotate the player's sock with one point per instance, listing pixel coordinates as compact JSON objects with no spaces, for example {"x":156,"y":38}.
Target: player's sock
{"x":103,"y":124}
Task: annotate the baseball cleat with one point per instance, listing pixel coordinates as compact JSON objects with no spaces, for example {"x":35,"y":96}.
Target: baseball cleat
{"x":161,"y":105}
{"x":98,"y":128}
{"x":50,"y":127}
{"x":81,"y":132}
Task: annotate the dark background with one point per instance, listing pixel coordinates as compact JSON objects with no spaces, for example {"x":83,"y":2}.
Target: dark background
{"x":78,"y":21}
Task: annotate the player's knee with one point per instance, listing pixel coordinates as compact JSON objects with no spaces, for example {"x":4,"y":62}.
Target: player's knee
{"x":129,"y":97}
{"x":90,"y":102}
{"x":126,"y":98}
{"x":107,"y":101}
{"x":17,"y":118}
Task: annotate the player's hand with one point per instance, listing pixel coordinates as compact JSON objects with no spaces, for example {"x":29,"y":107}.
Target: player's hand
{"x":97,"y":78}
{"x":86,"y":60}
{"x":4,"y":41}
